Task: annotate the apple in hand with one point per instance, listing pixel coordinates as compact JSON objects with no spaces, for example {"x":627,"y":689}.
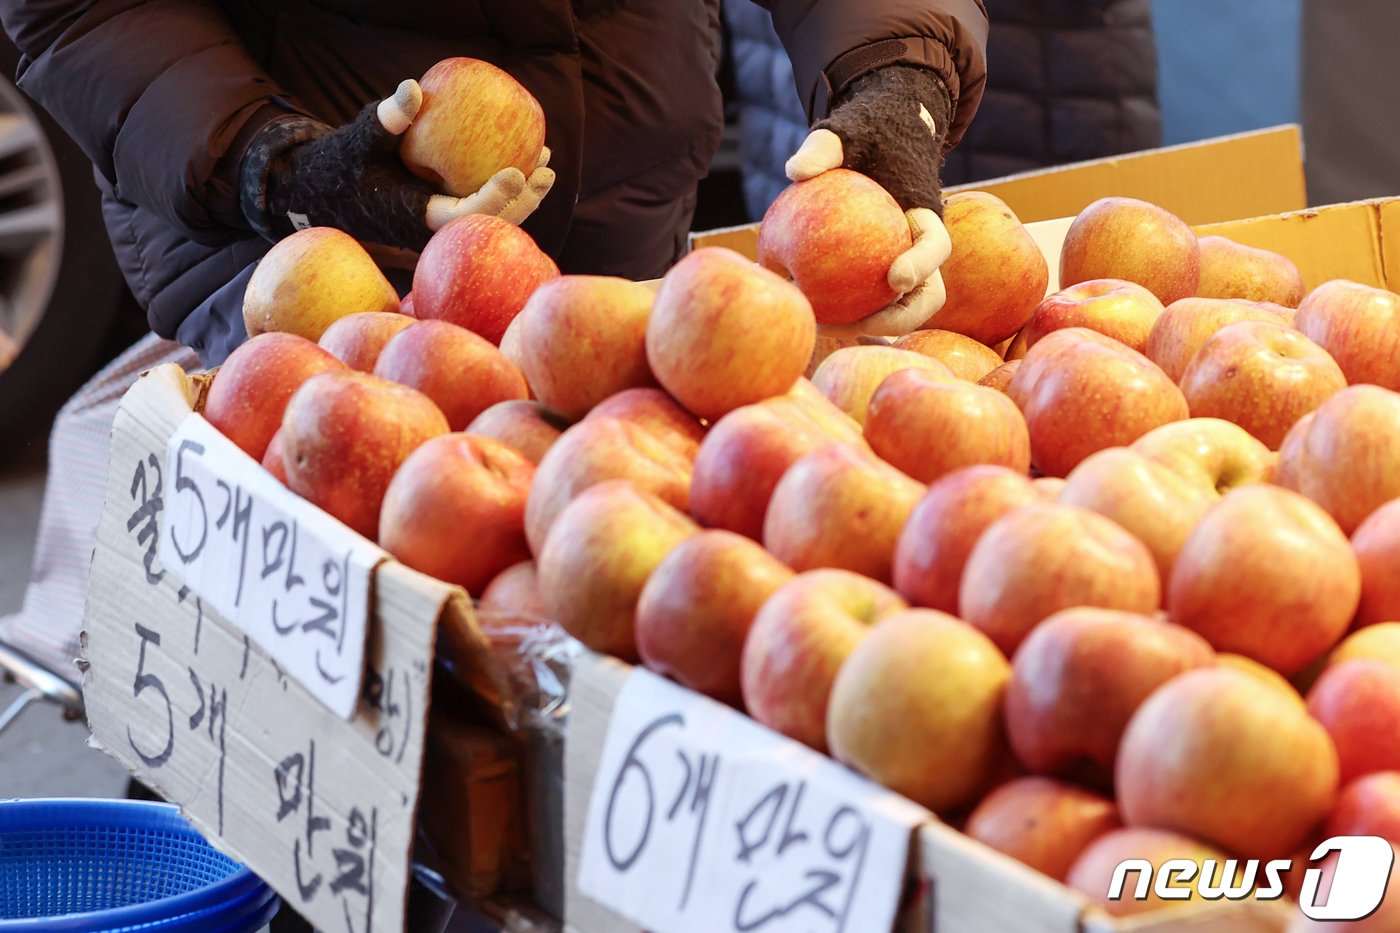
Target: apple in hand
{"x":724,"y":332}
{"x":582,"y":339}
{"x":475,"y":120}
{"x":1357,"y":324}
{"x":697,"y":606}
{"x":1234,"y":270}
{"x":310,"y":280}
{"x":798,"y":641}
{"x":460,"y":371}
{"x":1122,"y":310}
{"x":935,"y":542}
{"x":1376,"y":543}
{"x":344,"y":435}
{"x":1261,"y":375}
{"x":1042,"y":822}
{"x":836,"y":236}
{"x":522,"y":425}
{"x":964,"y":357}
{"x":839,"y":507}
{"x":1092,"y":873}
{"x":1000,"y":378}
{"x":916,"y":706}
{"x":455,"y":510}
{"x":1358,"y":703}
{"x":597,"y":558}
{"x":850,"y":376}
{"x":1219,"y":755}
{"x":1078,"y":678}
{"x":357,"y":339}
{"x":1124,"y":238}
{"x":995,"y":275}
{"x":477,"y":272}
{"x":927,"y":426}
{"x":1043,"y":557}
{"x":251,"y":390}
{"x":1187,"y":323}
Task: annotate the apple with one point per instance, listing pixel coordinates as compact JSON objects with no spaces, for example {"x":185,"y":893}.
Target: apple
{"x":597,"y":558}
{"x":455,"y":510}
{"x":935,"y":542}
{"x":1266,"y":574}
{"x":475,"y":120}
{"x":660,"y":414}
{"x":251,"y":390}
{"x":1122,"y":310}
{"x":1124,"y":238}
{"x":724,"y":332}
{"x":273,"y":461}
{"x":1187,"y":323}
{"x":746,"y":453}
{"x":344,"y":435}
{"x":1209,"y":452}
{"x":1265,"y":675}
{"x":995,"y":275}
{"x":1234,"y":270}
{"x":522,"y":425}
{"x":1358,"y":703}
{"x":964,"y":357}
{"x":1378,"y":642}
{"x":1347,"y":458}
{"x":1376,"y":542}
{"x":1000,"y":378}
{"x":406,"y":305}
{"x":1043,"y":557}
{"x":1078,"y":678}
{"x":512,"y":601}
{"x":1092,"y":873}
{"x":1081,"y":392}
{"x":850,"y":376}
{"x":916,"y":706}
{"x":927,"y":426}
{"x":460,"y":371}
{"x":799,"y":640}
{"x":1042,"y":823}
{"x":1217,"y":754}
{"x":1048,"y":488}
{"x":836,"y":236}
{"x":477,"y":272}
{"x":1368,"y":806}
{"x":582,"y":339}
{"x":698,"y":605}
{"x":357,"y":339}
{"x":1261,"y":375}
{"x":310,"y":280}
{"x":1357,"y":324}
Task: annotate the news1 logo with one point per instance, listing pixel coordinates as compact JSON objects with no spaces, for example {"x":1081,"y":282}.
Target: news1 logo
{"x":1360,"y":873}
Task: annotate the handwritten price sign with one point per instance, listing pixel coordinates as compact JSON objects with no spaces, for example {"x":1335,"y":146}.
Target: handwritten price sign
{"x":700,"y":819}
{"x":294,"y":579}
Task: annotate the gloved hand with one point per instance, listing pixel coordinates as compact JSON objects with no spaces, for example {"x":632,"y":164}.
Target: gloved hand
{"x":298,"y":172}
{"x":891,"y":125}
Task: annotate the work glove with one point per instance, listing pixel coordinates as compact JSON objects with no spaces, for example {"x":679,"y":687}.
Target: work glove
{"x":299,"y":173}
{"x":890,"y":125}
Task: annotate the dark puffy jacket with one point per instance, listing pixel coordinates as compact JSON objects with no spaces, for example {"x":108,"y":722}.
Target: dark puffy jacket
{"x":1067,"y":80}
{"x":158,"y":93}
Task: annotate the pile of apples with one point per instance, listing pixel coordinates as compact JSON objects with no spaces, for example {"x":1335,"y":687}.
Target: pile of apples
{"x":1071,"y":571}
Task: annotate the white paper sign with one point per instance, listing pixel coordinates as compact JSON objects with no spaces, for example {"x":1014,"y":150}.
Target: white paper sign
{"x":294,"y":579}
{"x":700,"y":819}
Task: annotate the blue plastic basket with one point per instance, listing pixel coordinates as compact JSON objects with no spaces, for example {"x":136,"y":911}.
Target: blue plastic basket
{"x":120,"y":865}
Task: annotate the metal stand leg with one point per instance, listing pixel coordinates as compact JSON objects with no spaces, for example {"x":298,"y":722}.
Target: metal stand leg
{"x":17,"y":707}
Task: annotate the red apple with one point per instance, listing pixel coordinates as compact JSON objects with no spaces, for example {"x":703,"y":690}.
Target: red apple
{"x":455,"y":510}
{"x":836,"y":236}
{"x":660,"y":414}
{"x":311,"y":279}
{"x":522,"y":425}
{"x":357,"y":339}
{"x":1187,"y":323}
{"x":1357,"y":324}
{"x":597,"y":558}
{"x":839,"y":507}
{"x":1081,"y":392}
{"x":1043,"y":557}
{"x":1377,"y":546}
{"x":512,"y":601}
{"x":1078,"y":678}
{"x":475,"y":120}
{"x":477,"y":272}
{"x":1000,"y":378}
{"x":463,"y":373}
{"x":1122,"y":310}
{"x":344,"y":435}
{"x":1092,"y":873}
{"x":964,"y":357}
{"x":582,"y":339}
{"x":850,"y":376}
{"x":1358,"y":703}
{"x":927,"y":426}
{"x":1124,"y":238}
{"x":1368,"y":806}
{"x":251,"y":390}
{"x":696,"y":609}
{"x":1233,"y":270}
{"x":799,"y":639}
{"x":1042,"y":823}
{"x":273,"y":461}
{"x":1378,"y":642}
{"x":917,"y":707}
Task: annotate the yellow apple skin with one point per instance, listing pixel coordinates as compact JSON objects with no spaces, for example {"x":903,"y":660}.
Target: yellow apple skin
{"x":312,"y":279}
